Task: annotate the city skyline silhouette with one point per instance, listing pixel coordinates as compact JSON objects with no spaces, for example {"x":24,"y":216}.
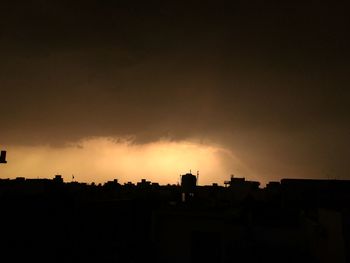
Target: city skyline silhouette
{"x":109,"y":108}
{"x":294,"y":220}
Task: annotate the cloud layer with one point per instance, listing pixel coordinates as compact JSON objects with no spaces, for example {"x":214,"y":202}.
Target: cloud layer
{"x":266,"y":81}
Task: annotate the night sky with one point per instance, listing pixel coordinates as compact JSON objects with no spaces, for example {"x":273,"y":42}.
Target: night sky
{"x":255,"y":88}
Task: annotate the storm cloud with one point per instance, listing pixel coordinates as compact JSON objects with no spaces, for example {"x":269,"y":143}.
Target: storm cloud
{"x":264,"y":79}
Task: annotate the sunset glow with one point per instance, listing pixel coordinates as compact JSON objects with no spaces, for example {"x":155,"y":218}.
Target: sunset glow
{"x":102,"y":159}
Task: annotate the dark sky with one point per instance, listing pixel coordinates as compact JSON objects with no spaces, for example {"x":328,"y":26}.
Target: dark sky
{"x":268,"y":80}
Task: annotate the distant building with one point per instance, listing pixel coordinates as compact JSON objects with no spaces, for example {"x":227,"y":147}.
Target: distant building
{"x":188,"y":186}
{"x":241,"y":189}
{"x":144,"y":183}
{"x":58,"y":179}
{"x":112,"y":184}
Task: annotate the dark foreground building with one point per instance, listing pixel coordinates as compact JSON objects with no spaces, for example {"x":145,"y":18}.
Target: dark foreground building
{"x":293,"y":220}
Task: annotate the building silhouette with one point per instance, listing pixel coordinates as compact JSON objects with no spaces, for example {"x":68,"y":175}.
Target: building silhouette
{"x":188,"y":186}
{"x":294,"y":220}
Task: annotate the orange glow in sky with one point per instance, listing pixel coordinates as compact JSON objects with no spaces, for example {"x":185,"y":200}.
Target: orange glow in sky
{"x":101,"y":159}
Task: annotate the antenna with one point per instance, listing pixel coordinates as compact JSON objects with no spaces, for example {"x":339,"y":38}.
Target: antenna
{"x":197,"y":177}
